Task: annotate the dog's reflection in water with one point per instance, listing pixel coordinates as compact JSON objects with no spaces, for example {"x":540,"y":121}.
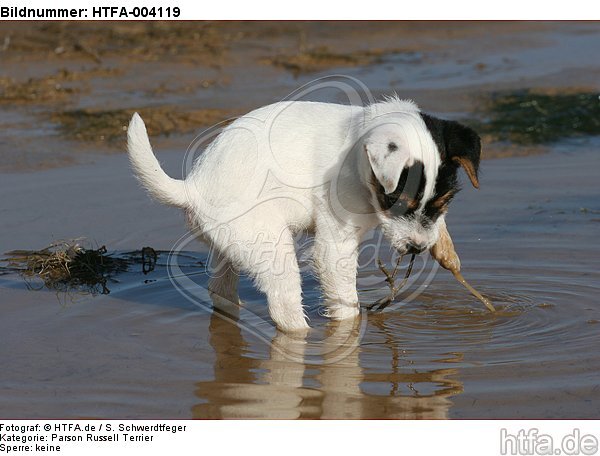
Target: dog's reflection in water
{"x":290,"y":382}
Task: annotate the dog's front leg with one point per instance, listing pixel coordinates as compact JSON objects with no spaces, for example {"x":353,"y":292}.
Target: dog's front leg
{"x":336,"y":262}
{"x":266,"y":253}
{"x":278,"y":276}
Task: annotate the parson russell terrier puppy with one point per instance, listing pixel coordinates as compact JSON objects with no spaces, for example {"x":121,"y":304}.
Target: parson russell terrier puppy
{"x":336,"y":171}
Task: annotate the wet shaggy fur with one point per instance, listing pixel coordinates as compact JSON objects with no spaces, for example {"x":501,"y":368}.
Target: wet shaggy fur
{"x":336,"y":171}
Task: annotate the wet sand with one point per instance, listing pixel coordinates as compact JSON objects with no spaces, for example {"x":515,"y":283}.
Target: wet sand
{"x":527,"y":240}
{"x":181,"y":73}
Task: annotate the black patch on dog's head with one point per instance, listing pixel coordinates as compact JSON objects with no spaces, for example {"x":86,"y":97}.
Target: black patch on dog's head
{"x":406,"y":197}
{"x":457,"y":144}
{"x":446,"y":186}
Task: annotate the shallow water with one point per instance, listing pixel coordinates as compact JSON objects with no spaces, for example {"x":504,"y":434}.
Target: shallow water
{"x":145,"y":350}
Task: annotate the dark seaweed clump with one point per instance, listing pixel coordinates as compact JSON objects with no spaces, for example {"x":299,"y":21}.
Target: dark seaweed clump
{"x":322,"y":58}
{"x":526,"y":118}
{"x":69,"y":267}
{"x":110,"y":125}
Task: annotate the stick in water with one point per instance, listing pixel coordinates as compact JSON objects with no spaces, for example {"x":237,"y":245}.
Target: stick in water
{"x":486,"y":302}
{"x":443,"y":251}
{"x":382,"y":303}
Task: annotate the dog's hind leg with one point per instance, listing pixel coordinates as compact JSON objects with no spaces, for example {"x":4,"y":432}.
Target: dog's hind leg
{"x":223,"y":285}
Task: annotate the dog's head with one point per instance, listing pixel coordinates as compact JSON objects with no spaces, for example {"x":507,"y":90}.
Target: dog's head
{"x":414,"y":159}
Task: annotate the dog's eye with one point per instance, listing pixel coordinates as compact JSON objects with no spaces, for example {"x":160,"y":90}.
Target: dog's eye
{"x":392,"y":147}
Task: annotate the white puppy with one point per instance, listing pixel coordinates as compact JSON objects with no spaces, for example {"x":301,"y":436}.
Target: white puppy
{"x":333,"y":170}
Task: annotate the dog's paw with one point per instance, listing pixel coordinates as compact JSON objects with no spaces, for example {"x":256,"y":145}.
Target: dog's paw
{"x":342,"y":312}
{"x":290,"y":324}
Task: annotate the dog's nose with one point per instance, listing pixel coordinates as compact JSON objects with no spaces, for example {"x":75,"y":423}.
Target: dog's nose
{"x":415,"y":248}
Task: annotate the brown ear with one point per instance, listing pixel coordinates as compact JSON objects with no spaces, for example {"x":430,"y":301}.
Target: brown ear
{"x":463,"y":147}
{"x":456,"y":143}
{"x":469,"y":169}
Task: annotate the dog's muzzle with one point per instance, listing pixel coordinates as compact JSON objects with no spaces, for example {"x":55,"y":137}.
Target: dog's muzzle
{"x":415,"y":248}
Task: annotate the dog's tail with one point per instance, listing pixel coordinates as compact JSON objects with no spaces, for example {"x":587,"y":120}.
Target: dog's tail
{"x":148,"y":170}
